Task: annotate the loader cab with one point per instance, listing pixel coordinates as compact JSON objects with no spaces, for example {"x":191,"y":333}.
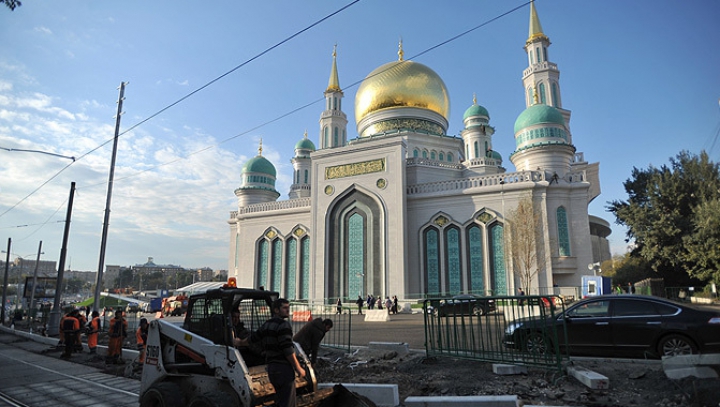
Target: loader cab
{"x":209,"y":314}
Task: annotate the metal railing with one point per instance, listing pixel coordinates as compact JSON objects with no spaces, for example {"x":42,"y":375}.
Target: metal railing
{"x":339,"y":336}
{"x":515,"y":330}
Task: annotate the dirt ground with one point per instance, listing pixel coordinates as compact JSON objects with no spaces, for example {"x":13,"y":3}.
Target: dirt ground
{"x":635,"y":383}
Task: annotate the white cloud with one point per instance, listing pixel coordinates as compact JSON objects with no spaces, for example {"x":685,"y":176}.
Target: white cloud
{"x":43,"y":30}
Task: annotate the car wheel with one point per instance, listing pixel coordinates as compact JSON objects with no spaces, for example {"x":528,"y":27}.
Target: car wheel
{"x":673,"y":345}
{"x":536,"y":343}
{"x":478,"y":310}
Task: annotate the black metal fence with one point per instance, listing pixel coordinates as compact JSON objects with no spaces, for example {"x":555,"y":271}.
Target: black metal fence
{"x":339,"y":336}
{"x":514,"y":330}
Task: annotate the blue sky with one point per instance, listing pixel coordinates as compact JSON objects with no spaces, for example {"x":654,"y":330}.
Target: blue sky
{"x":641,"y":79}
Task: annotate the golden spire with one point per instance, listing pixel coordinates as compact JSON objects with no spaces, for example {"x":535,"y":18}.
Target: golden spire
{"x":401,"y":54}
{"x":536,"y":31}
{"x":334,"y":82}
{"x":260,"y":148}
{"x":474,"y":99}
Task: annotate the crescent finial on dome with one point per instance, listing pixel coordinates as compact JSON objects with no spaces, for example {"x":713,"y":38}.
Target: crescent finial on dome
{"x":401,"y":53}
{"x":305,"y":133}
{"x":474,"y":99}
{"x":260,"y":148}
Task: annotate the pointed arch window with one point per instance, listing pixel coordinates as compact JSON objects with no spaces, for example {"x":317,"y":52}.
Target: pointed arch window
{"x":276,"y":276}
{"x":432,"y":155}
{"x":291,"y":268}
{"x":424,"y":154}
{"x":543,"y":97}
{"x":563,"y":232}
{"x":432,"y":261}
{"x":262,"y":262}
{"x":497,"y":260}
{"x":305,"y":268}
{"x":475,"y":259}
{"x":416,"y":153}
{"x":356,"y":254}
{"x":555,"y":95}
{"x":450,"y":157}
{"x":441,"y":156}
{"x":452,"y":260}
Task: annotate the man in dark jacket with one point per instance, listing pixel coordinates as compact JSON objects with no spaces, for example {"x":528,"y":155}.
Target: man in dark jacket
{"x":310,"y":336}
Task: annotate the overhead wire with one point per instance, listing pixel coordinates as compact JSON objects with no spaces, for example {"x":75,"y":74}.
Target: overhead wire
{"x":291,"y":112}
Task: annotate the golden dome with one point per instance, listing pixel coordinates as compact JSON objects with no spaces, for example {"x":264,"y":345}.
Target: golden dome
{"x":402,"y":84}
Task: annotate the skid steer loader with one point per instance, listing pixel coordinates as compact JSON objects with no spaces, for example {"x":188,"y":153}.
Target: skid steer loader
{"x":197,"y":365}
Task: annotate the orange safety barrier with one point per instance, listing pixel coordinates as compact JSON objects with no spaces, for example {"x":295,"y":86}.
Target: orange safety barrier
{"x":302,"y":316}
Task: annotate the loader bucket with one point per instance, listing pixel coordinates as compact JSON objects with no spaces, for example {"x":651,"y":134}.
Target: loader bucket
{"x":342,"y":397}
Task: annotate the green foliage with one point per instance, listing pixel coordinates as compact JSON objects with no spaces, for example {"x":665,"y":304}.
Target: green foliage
{"x":672,"y":216}
{"x":12,"y":3}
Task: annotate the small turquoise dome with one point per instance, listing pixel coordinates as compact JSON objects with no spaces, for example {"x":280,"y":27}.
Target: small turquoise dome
{"x":476,"y":110}
{"x":305,"y":144}
{"x":494,"y":154}
{"x":538,"y":114}
{"x":260,"y":164}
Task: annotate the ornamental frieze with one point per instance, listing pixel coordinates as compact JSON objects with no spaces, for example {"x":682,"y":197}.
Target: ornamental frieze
{"x":353,"y":169}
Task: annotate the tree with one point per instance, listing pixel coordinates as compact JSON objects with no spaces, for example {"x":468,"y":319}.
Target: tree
{"x":670,"y":213}
{"x":524,"y":241}
{"x":12,"y":3}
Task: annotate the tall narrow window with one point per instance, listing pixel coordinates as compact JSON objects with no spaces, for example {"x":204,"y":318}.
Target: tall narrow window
{"x":452,"y":245}
{"x":432,"y":261}
{"x":531,"y":96}
{"x":336,"y":140}
{"x":475,"y":260}
{"x":432,"y":155}
{"x":537,"y":55}
{"x":563,"y":232}
{"x":276,"y":277}
{"x":290,"y":269}
{"x":334,"y":103}
{"x":262,"y":271}
{"x":467,"y":151}
{"x":424,"y":154}
{"x":555,"y":96}
{"x":326,"y":136}
{"x":305,"y":268}
{"x":306,"y":176}
{"x":545,"y":54}
{"x":356,"y":255}
{"x":497,"y":255}
{"x":477,"y":150}
{"x":543,"y":97}
{"x":416,"y":153}
{"x":450,"y":157}
{"x":441,"y":157}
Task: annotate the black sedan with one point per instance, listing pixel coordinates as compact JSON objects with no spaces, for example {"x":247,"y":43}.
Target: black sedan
{"x":464,"y":304}
{"x":620,"y":325}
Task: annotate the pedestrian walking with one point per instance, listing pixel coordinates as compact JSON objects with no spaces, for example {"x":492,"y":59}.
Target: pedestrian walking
{"x":338,"y":304}
{"x":310,"y":336}
{"x":395,"y":304}
{"x":275,"y":336}
{"x":141,"y":335}
{"x":388,"y":304}
{"x":359,"y":303}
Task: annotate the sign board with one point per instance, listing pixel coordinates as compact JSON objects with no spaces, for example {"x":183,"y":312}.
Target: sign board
{"x":46,"y":287}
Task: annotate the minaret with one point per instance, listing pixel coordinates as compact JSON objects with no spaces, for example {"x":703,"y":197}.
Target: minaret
{"x":541,"y":76}
{"x":333,"y":122}
{"x":477,"y":138}
{"x":258,"y":181}
{"x":302,"y":165}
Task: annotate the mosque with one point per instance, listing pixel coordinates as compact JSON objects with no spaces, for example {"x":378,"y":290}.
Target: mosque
{"x":406,"y":209}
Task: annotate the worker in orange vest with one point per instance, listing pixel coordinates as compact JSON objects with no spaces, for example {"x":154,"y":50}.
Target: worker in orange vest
{"x":141,"y":339}
{"x":92,"y":333}
{"x":70,"y":329}
{"x":117,"y":333}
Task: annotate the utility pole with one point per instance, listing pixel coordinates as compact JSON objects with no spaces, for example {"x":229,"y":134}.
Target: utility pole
{"x":54,"y":323}
{"x":34,"y":286}
{"x":5,"y":281}
{"x":103,"y":243}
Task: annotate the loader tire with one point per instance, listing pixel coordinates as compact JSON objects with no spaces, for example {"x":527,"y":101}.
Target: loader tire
{"x":211,"y":400}
{"x":165,"y":394}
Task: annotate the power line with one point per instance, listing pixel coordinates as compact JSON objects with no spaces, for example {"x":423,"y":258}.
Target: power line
{"x":291,"y":112}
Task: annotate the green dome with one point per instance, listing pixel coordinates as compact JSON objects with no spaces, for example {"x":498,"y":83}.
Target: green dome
{"x":494,"y":154}
{"x":260,"y":164}
{"x":476,"y":110}
{"x":538,"y":114}
{"x":305,"y":144}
